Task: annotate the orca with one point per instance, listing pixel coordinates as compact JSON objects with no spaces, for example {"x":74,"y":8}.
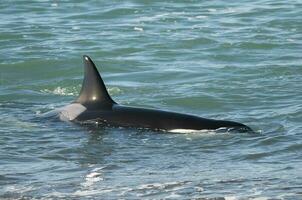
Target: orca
{"x":95,"y":104}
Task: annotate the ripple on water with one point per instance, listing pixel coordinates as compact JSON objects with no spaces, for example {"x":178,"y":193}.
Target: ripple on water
{"x":236,"y":60}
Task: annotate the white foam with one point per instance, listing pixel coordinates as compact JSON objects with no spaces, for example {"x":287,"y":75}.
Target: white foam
{"x":91,"y":192}
{"x":71,"y":111}
{"x":138,"y":29}
{"x":167,"y":186}
{"x":92,"y":178}
{"x":230,"y":198}
{"x":183,"y":131}
{"x":60,"y":91}
{"x":114,"y":90}
{"x":92,"y":175}
{"x":201,"y":17}
{"x":203,"y":131}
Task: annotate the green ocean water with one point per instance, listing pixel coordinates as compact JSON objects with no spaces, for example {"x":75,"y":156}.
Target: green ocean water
{"x":235,"y":60}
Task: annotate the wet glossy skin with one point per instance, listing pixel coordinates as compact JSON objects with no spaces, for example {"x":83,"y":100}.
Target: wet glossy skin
{"x":155,"y":119}
{"x":94,"y":103}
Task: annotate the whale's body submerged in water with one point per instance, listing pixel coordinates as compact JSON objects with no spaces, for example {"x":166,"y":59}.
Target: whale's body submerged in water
{"x":94,"y":103}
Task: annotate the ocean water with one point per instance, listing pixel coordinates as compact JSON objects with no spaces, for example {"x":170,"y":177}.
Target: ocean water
{"x":236,"y":60}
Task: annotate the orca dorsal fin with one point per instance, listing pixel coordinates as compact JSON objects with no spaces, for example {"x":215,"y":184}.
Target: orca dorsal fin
{"x":93,"y":93}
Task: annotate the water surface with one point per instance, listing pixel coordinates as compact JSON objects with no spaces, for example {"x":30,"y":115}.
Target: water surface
{"x":226,"y":60}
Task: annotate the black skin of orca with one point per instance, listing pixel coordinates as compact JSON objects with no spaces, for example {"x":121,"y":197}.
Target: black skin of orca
{"x":100,"y":107}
